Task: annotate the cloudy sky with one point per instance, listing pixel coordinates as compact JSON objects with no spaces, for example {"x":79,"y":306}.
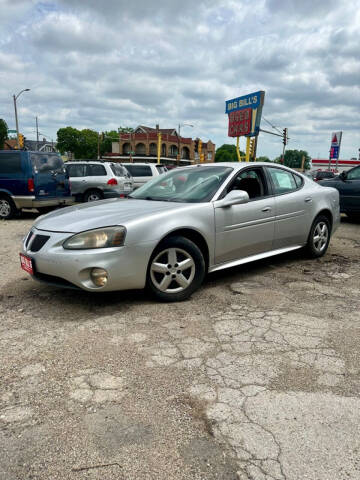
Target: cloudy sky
{"x":101,"y":64}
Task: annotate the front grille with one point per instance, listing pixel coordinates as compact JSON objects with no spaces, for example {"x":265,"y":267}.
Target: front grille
{"x":38,"y":242}
{"x":29,"y":237}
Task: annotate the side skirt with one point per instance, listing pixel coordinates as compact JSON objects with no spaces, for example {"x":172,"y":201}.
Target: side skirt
{"x":253,"y":258}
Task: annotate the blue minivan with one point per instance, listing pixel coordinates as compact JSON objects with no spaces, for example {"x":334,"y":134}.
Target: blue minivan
{"x":32,"y":180}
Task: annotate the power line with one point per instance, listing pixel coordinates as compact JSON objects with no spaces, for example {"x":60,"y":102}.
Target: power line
{"x":272,"y":126}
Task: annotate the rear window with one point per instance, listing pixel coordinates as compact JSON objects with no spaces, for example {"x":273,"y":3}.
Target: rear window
{"x":139,"y":170}
{"x":118,"y":170}
{"x":43,"y":163}
{"x":161,"y":169}
{"x":10,"y":163}
{"x":95,"y":170}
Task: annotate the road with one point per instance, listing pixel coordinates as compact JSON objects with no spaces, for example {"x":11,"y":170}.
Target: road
{"x":256,"y":377}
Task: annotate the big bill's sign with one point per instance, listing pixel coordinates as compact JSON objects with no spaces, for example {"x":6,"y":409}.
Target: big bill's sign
{"x":245,"y":114}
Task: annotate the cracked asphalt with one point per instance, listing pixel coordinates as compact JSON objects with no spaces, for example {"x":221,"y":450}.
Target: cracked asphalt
{"x":256,"y":377}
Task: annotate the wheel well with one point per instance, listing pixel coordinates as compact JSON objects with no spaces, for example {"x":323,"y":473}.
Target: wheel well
{"x":195,"y":237}
{"x":328,"y":215}
{"x":94,"y":189}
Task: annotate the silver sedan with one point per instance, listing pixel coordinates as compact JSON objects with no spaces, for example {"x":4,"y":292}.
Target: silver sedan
{"x":173,"y":230}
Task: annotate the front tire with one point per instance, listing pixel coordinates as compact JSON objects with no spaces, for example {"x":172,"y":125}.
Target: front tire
{"x":176,"y":269}
{"x":319,"y":237}
{"x":7,"y":208}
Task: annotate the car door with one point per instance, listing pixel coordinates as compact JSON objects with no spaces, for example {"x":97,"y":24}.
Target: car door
{"x":77,"y":177}
{"x":349,"y":189}
{"x":247,"y":229}
{"x":293,"y":207}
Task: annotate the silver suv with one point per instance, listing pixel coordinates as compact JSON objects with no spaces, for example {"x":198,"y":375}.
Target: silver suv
{"x":91,"y":181}
{"x":143,"y":172}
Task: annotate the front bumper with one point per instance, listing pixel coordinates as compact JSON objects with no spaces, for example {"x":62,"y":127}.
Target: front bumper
{"x":126,"y":266}
{"x":33,"y":202}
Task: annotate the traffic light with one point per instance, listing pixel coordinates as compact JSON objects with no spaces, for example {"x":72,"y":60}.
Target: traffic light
{"x":21,"y":140}
{"x":252,"y":148}
{"x":285,"y":136}
{"x":196,"y":145}
{"x":200,"y":147}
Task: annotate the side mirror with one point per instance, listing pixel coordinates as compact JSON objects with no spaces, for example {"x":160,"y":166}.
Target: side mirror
{"x":234,"y":197}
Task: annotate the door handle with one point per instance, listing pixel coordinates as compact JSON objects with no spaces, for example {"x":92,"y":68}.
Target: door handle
{"x":266,"y":209}
{"x":308,"y":199}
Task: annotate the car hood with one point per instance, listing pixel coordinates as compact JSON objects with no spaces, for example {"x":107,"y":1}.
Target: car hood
{"x":102,"y":214}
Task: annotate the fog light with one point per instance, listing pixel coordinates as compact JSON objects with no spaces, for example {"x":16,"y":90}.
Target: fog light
{"x":99,"y":276}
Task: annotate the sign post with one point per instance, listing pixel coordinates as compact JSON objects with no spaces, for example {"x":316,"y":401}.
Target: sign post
{"x":335,"y":148}
{"x":244,"y":118}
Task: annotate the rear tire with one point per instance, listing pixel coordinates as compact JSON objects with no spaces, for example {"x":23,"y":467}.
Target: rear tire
{"x":93,"y":196}
{"x":176,"y":269}
{"x":319,"y":237}
{"x":7,"y":208}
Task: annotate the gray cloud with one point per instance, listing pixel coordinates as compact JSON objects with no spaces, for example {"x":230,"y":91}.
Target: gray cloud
{"x":104,"y":64}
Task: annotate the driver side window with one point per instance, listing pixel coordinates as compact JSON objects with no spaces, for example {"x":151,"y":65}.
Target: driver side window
{"x":354,"y":174}
{"x":251,"y":181}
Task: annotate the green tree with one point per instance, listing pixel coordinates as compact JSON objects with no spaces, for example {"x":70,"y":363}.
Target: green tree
{"x":88,"y":145}
{"x":293,"y":159}
{"x":263,"y":159}
{"x":106,"y":142}
{"x":68,"y":140}
{"x":227,"y":153}
{"x":126,"y":130}
{"x":3,"y":133}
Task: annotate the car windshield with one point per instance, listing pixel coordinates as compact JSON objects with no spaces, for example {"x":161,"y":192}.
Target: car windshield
{"x":191,"y":185}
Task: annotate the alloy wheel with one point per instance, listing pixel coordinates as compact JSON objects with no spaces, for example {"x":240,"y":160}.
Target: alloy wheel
{"x":320,"y":236}
{"x":172,"y":270}
{"x":5,"y":208}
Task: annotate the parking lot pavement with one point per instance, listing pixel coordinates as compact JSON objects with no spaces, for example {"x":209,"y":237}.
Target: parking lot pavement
{"x":255,"y":378}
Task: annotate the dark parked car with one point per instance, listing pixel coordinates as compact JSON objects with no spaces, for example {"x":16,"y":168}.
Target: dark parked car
{"x":348,"y":184}
{"x":322,"y":175}
{"x":32,"y":180}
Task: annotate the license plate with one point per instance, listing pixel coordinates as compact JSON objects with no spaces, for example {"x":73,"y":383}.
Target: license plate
{"x":26,"y":264}
{"x":127,"y":186}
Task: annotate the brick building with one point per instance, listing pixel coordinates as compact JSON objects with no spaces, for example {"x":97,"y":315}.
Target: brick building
{"x":141,"y":146}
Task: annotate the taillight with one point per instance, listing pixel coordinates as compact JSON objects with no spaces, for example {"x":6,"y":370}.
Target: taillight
{"x":31,"y":186}
{"x":112,"y":181}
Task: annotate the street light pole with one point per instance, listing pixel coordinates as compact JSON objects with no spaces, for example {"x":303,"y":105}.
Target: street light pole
{"x":15,"y":97}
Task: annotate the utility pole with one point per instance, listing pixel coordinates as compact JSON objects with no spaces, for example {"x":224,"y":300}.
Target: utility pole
{"x":17,"y":123}
{"x":37,"y":134}
{"x":285,"y":140}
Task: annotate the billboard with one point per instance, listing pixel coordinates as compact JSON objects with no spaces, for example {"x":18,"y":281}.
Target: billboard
{"x":245,"y":114}
{"x":335,"y":144}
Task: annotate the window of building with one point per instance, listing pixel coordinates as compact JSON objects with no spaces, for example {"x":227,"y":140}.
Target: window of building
{"x":10,"y":163}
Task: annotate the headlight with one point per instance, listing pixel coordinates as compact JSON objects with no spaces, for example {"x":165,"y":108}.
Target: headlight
{"x":99,"y":238}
